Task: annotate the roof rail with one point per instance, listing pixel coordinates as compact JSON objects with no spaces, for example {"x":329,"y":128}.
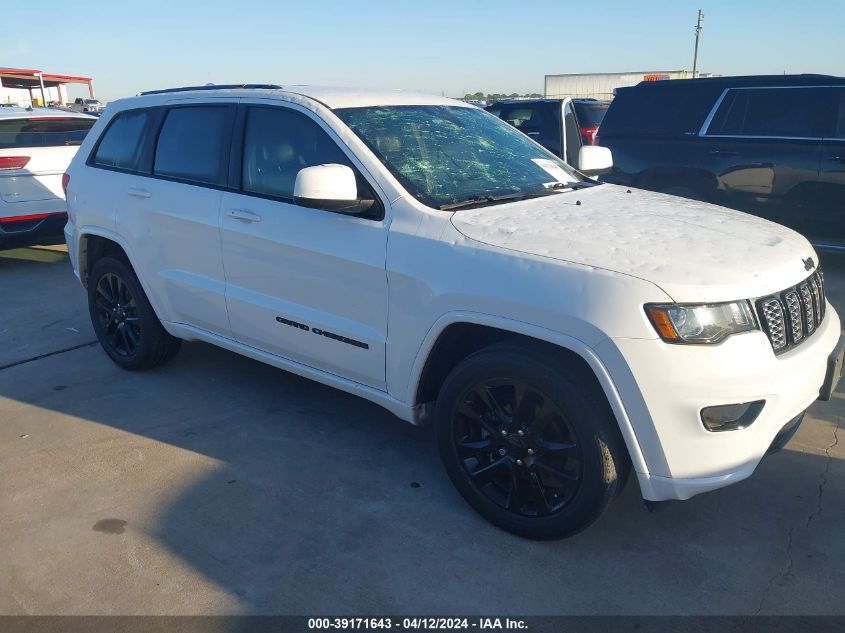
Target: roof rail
{"x":213,"y":87}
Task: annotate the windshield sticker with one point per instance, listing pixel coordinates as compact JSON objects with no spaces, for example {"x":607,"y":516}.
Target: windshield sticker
{"x":552,"y":169}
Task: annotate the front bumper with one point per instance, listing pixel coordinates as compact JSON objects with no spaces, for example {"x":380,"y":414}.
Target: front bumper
{"x":664,"y":387}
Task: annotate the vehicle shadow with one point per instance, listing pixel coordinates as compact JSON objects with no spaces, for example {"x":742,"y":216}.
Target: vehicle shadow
{"x":322,"y":503}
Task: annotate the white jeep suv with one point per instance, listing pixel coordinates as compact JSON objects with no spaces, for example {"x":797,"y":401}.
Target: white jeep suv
{"x":423,"y":254}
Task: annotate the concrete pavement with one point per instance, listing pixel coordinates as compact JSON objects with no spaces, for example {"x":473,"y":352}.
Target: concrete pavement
{"x":218,"y":485}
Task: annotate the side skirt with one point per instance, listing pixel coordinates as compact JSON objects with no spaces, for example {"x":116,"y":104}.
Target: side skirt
{"x":190,"y":333}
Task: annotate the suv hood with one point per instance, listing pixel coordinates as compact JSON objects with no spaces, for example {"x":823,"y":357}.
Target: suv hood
{"x":694,"y":251}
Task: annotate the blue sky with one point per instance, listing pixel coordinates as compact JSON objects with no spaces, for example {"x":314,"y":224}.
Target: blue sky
{"x":434,"y":45}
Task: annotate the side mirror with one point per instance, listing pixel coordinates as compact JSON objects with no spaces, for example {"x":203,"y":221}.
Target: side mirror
{"x":331,"y":187}
{"x":594,"y":160}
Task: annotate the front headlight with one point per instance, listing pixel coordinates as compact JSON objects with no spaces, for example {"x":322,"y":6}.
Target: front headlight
{"x":702,"y":324}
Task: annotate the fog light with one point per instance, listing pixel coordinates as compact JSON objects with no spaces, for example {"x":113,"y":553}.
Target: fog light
{"x":731,"y":417}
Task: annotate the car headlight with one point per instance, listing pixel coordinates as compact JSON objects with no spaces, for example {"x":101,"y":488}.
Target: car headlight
{"x":701,"y":324}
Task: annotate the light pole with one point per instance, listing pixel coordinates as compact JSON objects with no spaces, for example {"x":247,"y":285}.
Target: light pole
{"x":697,"y":35}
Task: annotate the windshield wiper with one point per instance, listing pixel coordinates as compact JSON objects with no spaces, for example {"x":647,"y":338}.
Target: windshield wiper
{"x":520,"y":195}
{"x":485,"y":199}
{"x":573,"y":186}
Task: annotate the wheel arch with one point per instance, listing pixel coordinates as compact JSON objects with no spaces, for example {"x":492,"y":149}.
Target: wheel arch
{"x":456,"y":336}
{"x":94,"y":244}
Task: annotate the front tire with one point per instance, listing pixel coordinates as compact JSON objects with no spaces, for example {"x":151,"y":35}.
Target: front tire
{"x":529,"y":442}
{"x":124,"y":321}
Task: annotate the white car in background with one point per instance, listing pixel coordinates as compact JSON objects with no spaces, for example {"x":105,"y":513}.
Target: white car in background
{"x":36,"y":147}
{"x":88,"y":106}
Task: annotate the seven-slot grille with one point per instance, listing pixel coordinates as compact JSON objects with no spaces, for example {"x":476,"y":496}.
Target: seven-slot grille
{"x":791,"y":316}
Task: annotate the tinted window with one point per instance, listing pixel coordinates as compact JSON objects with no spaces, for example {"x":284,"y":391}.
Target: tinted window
{"x":590,"y":114}
{"x":540,"y":121}
{"x":122,"y":144}
{"x":278,"y":143}
{"x":35,"y":132}
{"x":840,"y":121}
{"x":769,"y":112}
{"x":193,"y":144}
{"x":661,"y":108}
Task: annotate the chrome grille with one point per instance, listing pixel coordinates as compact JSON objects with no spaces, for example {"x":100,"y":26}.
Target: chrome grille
{"x":793,"y":309}
{"x":817,"y":302}
{"x":771,"y":313}
{"x":792,"y":315}
{"x":809,"y":314}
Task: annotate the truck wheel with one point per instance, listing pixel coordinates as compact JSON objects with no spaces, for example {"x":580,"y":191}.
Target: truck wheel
{"x":124,"y":320}
{"x":530,"y":443}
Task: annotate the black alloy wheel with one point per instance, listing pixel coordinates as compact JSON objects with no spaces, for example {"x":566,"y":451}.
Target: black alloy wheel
{"x":527,"y":436}
{"x":124,"y":321}
{"x":117,"y":312}
{"x":517,"y":447}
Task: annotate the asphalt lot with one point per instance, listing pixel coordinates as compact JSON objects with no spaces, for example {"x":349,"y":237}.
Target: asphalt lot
{"x":218,"y":485}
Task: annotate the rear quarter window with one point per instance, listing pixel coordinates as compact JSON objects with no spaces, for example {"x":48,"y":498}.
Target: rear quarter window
{"x":659,"y":111}
{"x":43,"y":132}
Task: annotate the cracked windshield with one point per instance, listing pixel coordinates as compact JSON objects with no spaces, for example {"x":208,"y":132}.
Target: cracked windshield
{"x":449,"y":157}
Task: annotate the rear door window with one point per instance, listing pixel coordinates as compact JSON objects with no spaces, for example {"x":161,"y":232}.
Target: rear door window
{"x":43,"y":132}
{"x":122,"y":144}
{"x":193,"y":144}
{"x":770,"y":112}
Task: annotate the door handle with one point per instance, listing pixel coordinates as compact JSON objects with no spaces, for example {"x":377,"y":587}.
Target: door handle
{"x":243,"y":215}
{"x":724,"y":152}
{"x":840,"y":159}
{"x":138,"y":193}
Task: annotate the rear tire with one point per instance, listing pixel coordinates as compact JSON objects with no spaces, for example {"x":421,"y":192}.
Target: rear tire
{"x":529,"y":442}
{"x":124,"y":321}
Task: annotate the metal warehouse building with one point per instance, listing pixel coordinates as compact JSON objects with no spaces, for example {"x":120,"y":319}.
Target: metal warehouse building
{"x":601,"y":85}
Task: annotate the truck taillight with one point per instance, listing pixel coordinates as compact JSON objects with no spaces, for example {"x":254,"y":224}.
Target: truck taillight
{"x":65,"y":183}
{"x":13,"y":162}
{"x":589,"y":134}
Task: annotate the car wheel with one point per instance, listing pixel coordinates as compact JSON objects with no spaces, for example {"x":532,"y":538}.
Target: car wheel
{"x":123,"y":318}
{"x":530,"y":443}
